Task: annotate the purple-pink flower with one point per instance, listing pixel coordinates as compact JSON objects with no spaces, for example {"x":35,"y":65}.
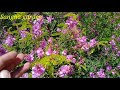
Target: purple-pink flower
{"x":55,"y":52}
{"x":71,"y":23}
{"x":92,"y":75}
{"x":92,"y":42}
{"x":37,"y":31}
{"x":37,"y":27}
{"x":65,"y":70}
{"x":108,"y":68}
{"x":112,"y":42}
{"x":49,"y":19}
{"x":2,"y":51}
{"x":49,"y":51}
{"x":64,"y":52}
{"x":113,"y":72}
{"x":74,"y":60}
{"x":59,"y":30}
{"x":81,"y":60}
{"x":118,"y":67}
{"x":64,"y":31}
{"x":50,"y":40}
{"x":23,"y":33}
{"x":40,"y":52}
{"x":118,"y":39}
{"x":43,"y":44}
{"x":9,"y":40}
{"x":30,"y":57}
{"x":85,"y":47}
{"x":101,"y":73}
{"x":118,"y":53}
{"x":82,"y":40}
{"x":94,"y":14}
{"x":37,"y":71}
{"x":70,"y":57}
{"x":25,"y":75}
{"x":114,"y":48}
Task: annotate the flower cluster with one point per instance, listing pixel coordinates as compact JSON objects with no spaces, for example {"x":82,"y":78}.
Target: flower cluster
{"x":114,"y":46}
{"x":49,"y":19}
{"x":71,"y":22}
{"x":30,"y":57}
{"x":84,"y":45}
{"x":99,"y":74}
{"x":65,"y":70}
{"x":23,"y":33}
{"x":37,"y":27}
{"x":37,"y":71}
{"x":9,"y":40}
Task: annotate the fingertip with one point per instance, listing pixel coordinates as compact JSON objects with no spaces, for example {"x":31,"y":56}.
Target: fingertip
{"x":21,"y":56}
{"x":27,"y":65}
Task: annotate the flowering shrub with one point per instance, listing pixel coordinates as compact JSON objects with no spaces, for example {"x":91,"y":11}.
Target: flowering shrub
{"x":65,"y":45}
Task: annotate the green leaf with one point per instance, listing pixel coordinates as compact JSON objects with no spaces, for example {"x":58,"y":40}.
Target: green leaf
{"x":71,"y":14}
{"x":91,"y":51}
{"x":84,"y":67}
{"x":55,"y":34}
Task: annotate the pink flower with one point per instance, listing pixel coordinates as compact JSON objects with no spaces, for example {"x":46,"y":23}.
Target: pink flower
{"x":25,"y":75}
{"x":37,"y":31}
{"x":85,"y":47}
{"x":59,"y":30}
{"x":82,"y":40}
{"x":118,"y":53}
{"x":43,"y":44}
{"x":118,"y":66}
{"x":109,"y":68}
{"x":118,"y":39}
{"x":56,"y":45}
{"x":92,"y":75}
{"x":37,"y":27}
{"x":101,"y":73}
{"x":113,"y":72}
{"x":113,"y":36}
{"x":30,"y":57}
{"x":50,"y":40}
{"x":55,"y":52}
{"x":39,"y":21}
{"x":71,"y":23}
{"x":9,"y":40}
{"x":40,"y":52}
{"x":94,"y":14}
{"x":49,"y":19}
{"x":65,"y":70}
{"x":2,"y":51}
{"x":64,"y":31}
{"x":69,"y":57}
{"x":112,"y":42}
{"x":49,"y":51}
{"x":64,"y":52}
{"x":114,"y":48}
{"x":92,"y":43}
{"x":81,"y":60}
{"x":23,"y":33}
{"x":37,"y":71}
{"x":74,"y":60}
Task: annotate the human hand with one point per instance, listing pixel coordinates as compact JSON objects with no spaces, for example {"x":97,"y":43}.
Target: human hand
{"x":9,"y":61}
